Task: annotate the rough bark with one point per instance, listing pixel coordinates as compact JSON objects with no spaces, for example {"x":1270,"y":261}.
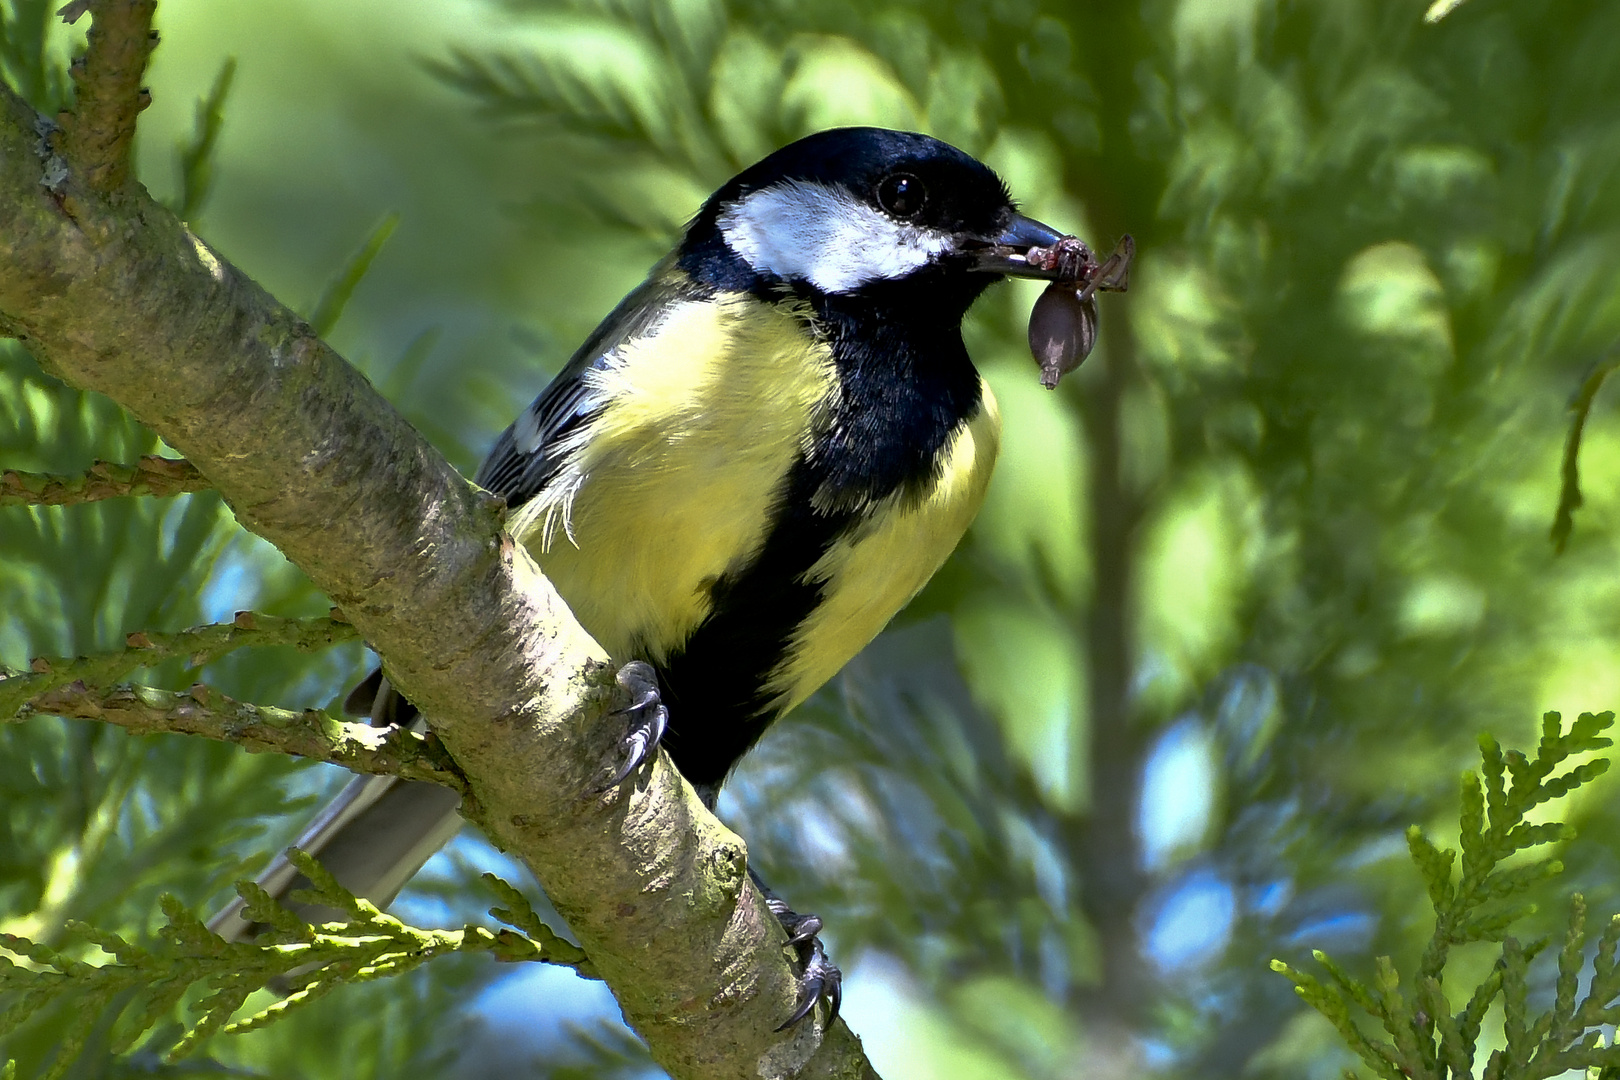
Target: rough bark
{"x":111,"y":292}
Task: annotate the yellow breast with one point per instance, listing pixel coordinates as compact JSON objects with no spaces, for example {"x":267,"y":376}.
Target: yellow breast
{"x":676,"y":481}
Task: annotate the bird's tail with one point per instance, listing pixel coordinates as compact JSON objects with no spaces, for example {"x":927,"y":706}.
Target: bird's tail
{"x":373,"y":837}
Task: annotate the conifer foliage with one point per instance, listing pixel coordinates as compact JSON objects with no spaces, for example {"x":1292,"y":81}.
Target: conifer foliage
{"x":144,"y":986}
{"x":1479,"y":902}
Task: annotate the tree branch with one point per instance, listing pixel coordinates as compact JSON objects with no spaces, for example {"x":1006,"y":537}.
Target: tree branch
{"x":74,"y":688}
{"x":152,"y":475}
{"x":1580,"y":407}
{"x":313,"y":734}
{"x":122,"y":298}
{"x":201,"y":645}
{"x":96,"y":136}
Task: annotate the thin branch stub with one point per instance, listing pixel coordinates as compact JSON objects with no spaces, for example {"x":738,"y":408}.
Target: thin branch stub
{"x":97,"y":135}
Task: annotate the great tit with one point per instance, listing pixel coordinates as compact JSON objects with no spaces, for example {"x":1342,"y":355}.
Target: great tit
{"x":752,"y":464}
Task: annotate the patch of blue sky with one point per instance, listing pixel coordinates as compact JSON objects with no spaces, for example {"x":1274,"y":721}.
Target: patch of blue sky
{"x":1178,"y":793}
{"x":1192,"y":923}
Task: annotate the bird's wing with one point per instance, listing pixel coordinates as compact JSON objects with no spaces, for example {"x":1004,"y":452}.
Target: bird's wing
{"x":527,"y":454}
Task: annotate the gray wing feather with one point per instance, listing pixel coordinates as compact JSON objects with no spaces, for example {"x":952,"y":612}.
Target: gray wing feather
{"x":525,"y":456}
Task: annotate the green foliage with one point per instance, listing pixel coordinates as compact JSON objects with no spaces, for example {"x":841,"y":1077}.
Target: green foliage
{"x":196,"y":154}
{"x":1479,"y":902}
{"x":26,"y":64}
{"x":142,"y":988}
{"x":334,"y":298}
{"x":608,"y":1053}
{"x":64,"y":560}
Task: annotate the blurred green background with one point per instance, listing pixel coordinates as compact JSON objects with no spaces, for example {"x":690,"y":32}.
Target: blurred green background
{"x":1245,"y":589}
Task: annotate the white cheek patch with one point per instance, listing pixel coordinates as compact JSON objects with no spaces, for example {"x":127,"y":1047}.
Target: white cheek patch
{"x":801,"y":231}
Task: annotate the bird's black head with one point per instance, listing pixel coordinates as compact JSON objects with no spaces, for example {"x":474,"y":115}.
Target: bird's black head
{"x":862,"y":213}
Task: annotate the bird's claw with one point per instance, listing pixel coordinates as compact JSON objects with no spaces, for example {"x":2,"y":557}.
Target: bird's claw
{"x":800,"y":928}
{"x":647,"y":719}
{"x":820,"y":980}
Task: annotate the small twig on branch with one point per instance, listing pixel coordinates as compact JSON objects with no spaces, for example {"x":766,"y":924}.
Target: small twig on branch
{"x":152,"y":475}
{"x":97,"y":134}
{"x":311,"y":733}
{"x":74,"y":688}
{"x":1580,"y":407}
{"x":200,"y":645}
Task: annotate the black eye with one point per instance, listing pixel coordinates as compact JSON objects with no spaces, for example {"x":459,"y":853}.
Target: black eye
{"x":902,"y":195}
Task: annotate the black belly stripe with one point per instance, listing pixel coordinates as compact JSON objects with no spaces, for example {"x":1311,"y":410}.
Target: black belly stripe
{"x":715,"y":687}
{"x":904,"y":395}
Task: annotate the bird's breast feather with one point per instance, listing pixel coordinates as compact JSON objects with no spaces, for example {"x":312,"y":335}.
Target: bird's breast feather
{"x":673,"y":484}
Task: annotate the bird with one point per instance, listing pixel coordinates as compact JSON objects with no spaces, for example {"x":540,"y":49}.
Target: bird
{"x":749,"y":467}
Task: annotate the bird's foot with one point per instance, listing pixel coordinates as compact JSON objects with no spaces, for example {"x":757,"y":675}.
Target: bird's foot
{"x":647,"y":718}
{"x":819,"y":980}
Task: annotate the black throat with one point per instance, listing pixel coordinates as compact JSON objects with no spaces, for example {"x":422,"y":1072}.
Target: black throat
{"x":906,"y":384}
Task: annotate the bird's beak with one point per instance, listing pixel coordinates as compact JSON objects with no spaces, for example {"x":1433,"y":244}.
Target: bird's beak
{"x":1006,"y":253}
